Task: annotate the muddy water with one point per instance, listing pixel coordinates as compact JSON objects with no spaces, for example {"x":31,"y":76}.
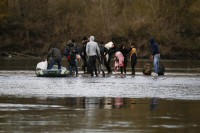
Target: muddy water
{"x":163,"y":104}
{"x":82,"y":114}
{"x":170,"y":65}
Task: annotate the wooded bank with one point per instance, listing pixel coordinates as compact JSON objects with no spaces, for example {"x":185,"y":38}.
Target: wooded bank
{"x":32,"y":26}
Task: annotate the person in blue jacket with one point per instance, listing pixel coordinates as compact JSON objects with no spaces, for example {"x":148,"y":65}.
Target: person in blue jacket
{"x":155,"y":55}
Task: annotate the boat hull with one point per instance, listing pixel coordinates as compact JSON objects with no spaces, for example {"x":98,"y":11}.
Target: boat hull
{"x":52,"y":73}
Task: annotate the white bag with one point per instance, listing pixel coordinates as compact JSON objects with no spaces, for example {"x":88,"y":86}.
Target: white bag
{"x":78,"y":57}
{"x":42,"y":65}
{"x":109,"y":45}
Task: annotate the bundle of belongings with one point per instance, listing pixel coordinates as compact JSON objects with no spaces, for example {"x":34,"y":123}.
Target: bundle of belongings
{"x":147,"y":69}
{"x":161,"y":70}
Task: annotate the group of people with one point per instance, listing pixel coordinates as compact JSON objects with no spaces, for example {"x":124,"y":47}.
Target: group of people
{"x":92,"y":52}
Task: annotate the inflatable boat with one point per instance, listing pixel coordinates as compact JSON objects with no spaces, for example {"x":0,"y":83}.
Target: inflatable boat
{"x":54,"y":72}
{"x":42,"y":71}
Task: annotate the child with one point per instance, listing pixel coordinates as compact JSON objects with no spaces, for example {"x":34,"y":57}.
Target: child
{"x":119,"y":62}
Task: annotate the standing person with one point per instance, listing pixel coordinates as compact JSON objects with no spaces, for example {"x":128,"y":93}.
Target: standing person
{"x":111,"y":50}
{"x":155,"y":55}
{"x":125,"y":52}
{"x":133,"y":58}
{"x":92,"y":50}
{"x":119,"y":62}
{"x":83,"y":53}
{"x":56,"y":56}
{"x":103,"y":53}
{"x":71,"y":52}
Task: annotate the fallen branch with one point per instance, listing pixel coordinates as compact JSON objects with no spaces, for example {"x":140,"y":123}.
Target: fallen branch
{"x":21,"y":55}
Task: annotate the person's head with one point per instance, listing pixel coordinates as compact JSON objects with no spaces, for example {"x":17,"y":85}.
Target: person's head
{"x":113,"y":45}
{"x":152,"y":40}
{"x":101,"y":42}
{"x":85,"y":38}
{"x":73,"y":41}
{"x":70,"y":43}
{"x":132,"y":45}
{"x":92,"y":38}
{"x":122,"y":46}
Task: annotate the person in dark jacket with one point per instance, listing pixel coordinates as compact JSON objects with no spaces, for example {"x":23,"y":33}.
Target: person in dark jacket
{"x":71,"y":52}
{"x":56,"y":56}
{"x":103,"y":51}
{"x":83,"y":53}
{"x":111,"y":50}
{"x":101,"y":58}
{"x":125,"y":52}
{"x":155,"y":55}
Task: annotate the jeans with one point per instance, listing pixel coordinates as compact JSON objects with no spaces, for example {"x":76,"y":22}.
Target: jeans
{"x":73,"y":68}
{"x":156,"y":62}
{"x":53,"y":61}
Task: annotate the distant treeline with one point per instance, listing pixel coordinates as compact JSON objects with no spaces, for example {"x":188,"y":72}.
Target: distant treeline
{"x":32,"y":26}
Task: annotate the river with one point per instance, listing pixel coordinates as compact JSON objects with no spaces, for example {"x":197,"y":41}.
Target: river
{"x":139,"y":104}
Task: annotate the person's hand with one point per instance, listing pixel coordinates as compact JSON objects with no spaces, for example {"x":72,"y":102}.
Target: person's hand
{"x":152,"y":57}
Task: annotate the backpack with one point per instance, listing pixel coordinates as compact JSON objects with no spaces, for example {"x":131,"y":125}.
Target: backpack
{"x":70,"y":53}
{"x":72,"y":59}
{"x":147,"y":69}
{"x":161,"y":70}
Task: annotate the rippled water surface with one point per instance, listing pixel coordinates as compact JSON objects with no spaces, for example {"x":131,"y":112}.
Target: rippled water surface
{"x":163,"y":104}
{"x":171,"y":86}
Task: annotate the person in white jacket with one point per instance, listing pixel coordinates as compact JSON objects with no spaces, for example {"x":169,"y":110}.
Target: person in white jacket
{"x":92,"y":51}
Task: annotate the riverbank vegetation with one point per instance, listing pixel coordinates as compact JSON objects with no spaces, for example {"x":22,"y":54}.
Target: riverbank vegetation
{"x":32,"y":26}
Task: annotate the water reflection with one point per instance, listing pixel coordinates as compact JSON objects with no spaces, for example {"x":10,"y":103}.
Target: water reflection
{"x":107,"y":103}
{"x":118,"y":102}
{"x":93,"y":114}
{"x":154,"y":104}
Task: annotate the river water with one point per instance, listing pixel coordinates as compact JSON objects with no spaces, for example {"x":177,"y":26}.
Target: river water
{"x":82,"y":104}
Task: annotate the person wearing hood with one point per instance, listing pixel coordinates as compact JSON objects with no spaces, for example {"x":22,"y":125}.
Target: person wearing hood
{"x":71,"y":53}
{"x":92,"y":51}
{"x":155,"y":55}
